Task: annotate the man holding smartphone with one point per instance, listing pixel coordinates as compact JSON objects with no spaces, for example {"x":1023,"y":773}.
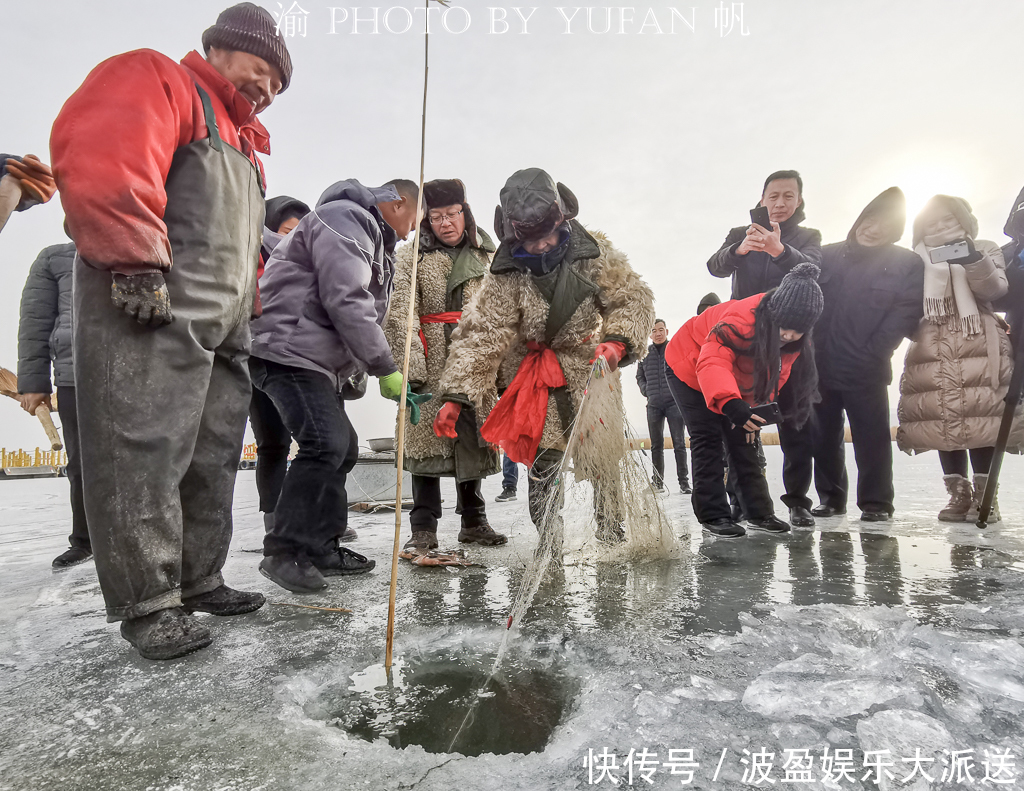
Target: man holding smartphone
{"x":757,"y":258}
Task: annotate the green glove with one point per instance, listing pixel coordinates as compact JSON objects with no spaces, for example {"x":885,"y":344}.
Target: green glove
{"x":412,"y":403}
{"x":391,"y":385}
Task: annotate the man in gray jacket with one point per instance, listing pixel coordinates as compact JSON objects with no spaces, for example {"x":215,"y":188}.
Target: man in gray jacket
{"x":44,"y":335}
{"x":325,"y":293}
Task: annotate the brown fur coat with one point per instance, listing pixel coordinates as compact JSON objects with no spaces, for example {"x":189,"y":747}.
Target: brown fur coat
{"x":510,"y":310}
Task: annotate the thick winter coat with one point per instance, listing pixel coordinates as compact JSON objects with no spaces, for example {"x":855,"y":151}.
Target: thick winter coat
{"x":953,"y":385}
{"x":113,"y":143}
{"x":756,"y":273}
{"x":704,"y":363}
{"x":326,"y":287}
{"x":651,"y":378}
{"x":596,"y":297}
{"x":44,"y":332}
{"x":873,"y":300}
{"x":447,"y":279}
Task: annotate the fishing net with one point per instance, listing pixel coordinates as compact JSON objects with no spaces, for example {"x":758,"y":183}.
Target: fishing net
{"x":601,"y":506}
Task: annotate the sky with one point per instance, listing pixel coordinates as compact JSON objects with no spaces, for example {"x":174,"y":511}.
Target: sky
{"x":664,"y":137}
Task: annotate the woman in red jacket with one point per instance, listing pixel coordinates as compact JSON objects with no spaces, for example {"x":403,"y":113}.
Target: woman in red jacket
{"x":722,"y":363}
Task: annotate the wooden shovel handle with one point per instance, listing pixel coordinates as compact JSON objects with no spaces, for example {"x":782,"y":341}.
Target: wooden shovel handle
{"x":43,"y":413}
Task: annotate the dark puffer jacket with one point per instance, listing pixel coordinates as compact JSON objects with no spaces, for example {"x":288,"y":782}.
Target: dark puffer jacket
{"x":44,"y":332}
{"x":756,"y":273}
{"x":650,"y":376}
{"x":873,"y":300}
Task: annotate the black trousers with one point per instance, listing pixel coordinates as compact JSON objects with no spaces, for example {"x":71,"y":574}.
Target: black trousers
{"x":312,"y":511}
{"x":657,"y":415}
{"x":272,"y":445}
{"x":868,"y":411}
{"x":426,"y":508}
{"x":954,"y":462}
{"x":708,"y":430}
{"x":67,"y":404}
{"x":797,"y":459}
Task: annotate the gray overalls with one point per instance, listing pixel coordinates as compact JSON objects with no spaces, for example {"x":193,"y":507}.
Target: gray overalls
{"x":162,"y":411}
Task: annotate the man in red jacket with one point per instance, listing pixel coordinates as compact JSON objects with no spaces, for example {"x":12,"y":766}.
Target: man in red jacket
{"x":156,"y":165}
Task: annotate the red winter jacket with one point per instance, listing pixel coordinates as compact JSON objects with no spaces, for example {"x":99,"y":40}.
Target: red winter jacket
{"x":112,"y":144}
{"x":700,"y":360}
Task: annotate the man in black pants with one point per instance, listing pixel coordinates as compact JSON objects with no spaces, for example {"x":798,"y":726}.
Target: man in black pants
{"x":757,"y":259}
{"x":873,"y":299}
{"x":650,"y":376}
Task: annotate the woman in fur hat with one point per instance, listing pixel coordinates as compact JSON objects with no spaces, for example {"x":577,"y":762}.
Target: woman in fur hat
{"x":454,"y":256}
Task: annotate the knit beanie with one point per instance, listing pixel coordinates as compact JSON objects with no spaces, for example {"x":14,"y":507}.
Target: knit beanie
{"x":797,"y":302}
{"x":708,"y":301}
{"x":248,"y":28}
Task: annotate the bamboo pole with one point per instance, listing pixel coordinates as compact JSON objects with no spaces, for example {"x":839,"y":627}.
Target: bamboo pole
{"x":410,"y":318}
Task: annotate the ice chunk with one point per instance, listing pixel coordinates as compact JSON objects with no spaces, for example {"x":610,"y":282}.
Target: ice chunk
{"x":908,"y":736}
{"x":785,"y":696}
{"x":705,"y":689}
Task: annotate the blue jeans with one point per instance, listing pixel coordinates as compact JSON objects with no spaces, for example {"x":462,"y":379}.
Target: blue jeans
{"x":509,"y":474}
{"x":312,"y":510}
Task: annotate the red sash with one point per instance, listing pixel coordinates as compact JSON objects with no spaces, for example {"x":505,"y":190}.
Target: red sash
{"x":451,"y":317}
{"x":517,"y":422}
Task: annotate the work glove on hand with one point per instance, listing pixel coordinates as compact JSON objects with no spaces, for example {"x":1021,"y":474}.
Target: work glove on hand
{"x":612,"y":351}
{"x":413,"y":401}
{"x":35,"y":177}
{"x":444,"y":423}
{"x":143,"y":297}
{"x":391,"y":385}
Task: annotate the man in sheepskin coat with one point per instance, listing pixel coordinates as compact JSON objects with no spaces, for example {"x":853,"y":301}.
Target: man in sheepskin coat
{"x":454,"y":256}
{"x":557,"y":297}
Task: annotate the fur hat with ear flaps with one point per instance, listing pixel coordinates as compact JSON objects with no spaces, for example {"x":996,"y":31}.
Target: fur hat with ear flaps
{"x":446,"y":192}
{"x":532,"y":206}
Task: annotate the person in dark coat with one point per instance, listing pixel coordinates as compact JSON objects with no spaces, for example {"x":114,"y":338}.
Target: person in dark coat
{"x":44,"y":336}
{"x":650,"y":376}
{"x":757,"y":259}
{"x":872,"y":290}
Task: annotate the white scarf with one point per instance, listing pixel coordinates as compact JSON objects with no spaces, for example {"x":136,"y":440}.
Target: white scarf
{"x":948,"y":298}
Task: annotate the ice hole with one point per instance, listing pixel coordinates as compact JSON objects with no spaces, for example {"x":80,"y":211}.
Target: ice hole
{"x":446,"y":703}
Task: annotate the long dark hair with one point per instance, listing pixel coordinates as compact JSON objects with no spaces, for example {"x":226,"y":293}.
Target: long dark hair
{"x":766,"y":348}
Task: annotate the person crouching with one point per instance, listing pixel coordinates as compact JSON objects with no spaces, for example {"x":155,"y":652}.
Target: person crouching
{"x":722,"y":363}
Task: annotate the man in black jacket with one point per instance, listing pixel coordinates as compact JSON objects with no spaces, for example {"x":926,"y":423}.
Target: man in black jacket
{"x":873,"y":299}
{"x":757,"y":259}
{"x":650,"y":375}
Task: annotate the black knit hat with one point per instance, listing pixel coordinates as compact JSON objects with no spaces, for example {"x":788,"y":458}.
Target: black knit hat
{"x":797,"y":302}
{"x":248,"y":28}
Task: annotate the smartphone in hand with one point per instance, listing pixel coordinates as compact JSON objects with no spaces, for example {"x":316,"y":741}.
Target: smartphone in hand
{"x":770,"y":413}
{"x":760,"y":216}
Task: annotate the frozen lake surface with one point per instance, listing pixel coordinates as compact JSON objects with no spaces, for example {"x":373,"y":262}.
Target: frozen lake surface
{"x":891,"y":652}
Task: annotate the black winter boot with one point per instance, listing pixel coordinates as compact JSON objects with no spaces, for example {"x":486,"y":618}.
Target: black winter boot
{"x":223,"y":601}
{"x":770,"y":524}
{"x":293,"y":573}
{"x":342,"y":563}
{"x":71,"y":557}
{"x":482,"y":534}
{"x":166,"y":634}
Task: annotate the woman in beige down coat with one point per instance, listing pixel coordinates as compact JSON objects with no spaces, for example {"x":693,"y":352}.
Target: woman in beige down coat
{"x":958,"y":367}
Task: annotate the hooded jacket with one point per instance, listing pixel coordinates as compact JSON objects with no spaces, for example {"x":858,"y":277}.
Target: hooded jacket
{"x":113,"y":143}
{"x":756,"y":273}
{"x":953,"y":385}
{"x":704,"y":363}
{"x":326,"y":287}
{"x":592,"y":296}
{"x":44,"y":332}
{"x":447,"y":279}
{"x":873,"y":300}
